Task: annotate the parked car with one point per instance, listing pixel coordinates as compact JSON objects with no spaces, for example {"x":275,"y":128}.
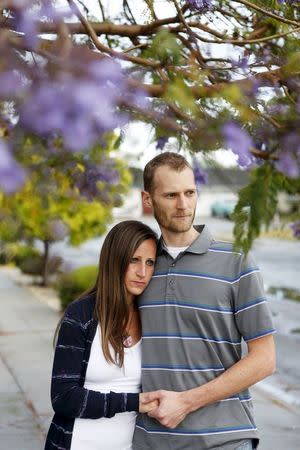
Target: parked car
{"x":222,"y":208}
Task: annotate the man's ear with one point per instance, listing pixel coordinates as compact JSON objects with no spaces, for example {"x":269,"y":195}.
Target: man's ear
{"x":146,"y":200}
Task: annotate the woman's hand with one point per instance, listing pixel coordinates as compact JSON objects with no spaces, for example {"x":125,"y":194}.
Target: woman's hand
{"x":146,"y":407}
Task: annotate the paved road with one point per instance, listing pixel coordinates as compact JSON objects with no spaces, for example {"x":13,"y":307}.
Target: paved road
{"x":26,"y":331}
{"x":278,"y":260}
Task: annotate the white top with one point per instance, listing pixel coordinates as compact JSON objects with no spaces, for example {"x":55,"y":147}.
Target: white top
{"x":113,"y":433}
{"x":174,"y":251}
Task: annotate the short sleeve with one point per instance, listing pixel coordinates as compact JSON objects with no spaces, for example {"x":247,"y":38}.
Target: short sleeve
{"x":251,"y":308}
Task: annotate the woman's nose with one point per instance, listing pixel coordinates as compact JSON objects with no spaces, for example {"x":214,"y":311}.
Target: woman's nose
{"x":141,"y":270}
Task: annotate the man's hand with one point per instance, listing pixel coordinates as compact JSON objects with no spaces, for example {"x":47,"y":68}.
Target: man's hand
{"x":172,"y":408}
{"x":145,"y":405}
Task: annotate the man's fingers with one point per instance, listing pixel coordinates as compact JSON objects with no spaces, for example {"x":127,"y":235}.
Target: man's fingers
{"x":146,"y":397}
{"x":147,"y":407}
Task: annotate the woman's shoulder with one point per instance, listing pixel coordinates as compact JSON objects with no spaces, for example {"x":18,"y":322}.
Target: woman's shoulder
{"x":82,"y":308}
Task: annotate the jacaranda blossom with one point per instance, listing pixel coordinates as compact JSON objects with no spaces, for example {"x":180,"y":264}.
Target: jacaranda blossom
{"x":200,"y":175}
{"x":12,"y":175}
{"x":79,"y":109}
{"x":239,"y":142}
{"x":200,"y":5}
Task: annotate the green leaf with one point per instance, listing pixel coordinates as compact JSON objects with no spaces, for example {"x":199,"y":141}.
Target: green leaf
{"x":256,"y":206}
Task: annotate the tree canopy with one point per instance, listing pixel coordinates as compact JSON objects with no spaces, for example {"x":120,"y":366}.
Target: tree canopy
{"x":51,"y":206}
{"x":210,"y":73}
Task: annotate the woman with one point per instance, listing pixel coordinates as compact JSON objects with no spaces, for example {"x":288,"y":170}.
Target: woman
{"x":97,"y":363}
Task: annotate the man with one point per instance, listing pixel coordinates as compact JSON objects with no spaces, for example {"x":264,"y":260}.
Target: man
{"x":203,"y":299}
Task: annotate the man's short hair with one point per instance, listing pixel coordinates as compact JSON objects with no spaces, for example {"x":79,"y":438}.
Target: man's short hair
{"x":173,"y":160}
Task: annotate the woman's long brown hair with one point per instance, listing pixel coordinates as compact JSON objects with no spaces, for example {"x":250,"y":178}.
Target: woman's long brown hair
{"x":111,"y":308}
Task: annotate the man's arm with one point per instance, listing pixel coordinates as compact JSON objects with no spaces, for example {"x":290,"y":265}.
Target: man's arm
{"x":255,"y":366}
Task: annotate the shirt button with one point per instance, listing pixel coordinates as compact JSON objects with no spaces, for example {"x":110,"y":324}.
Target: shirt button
{"x":173,"y":264}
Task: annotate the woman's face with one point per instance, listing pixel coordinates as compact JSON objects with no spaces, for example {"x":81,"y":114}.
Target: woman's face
{"x":140,"y":268}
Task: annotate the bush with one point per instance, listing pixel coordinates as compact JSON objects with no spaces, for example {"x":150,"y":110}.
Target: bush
{"x":72,"y":284}
{"x":32,"y":265}
{"x":3,"y":255}
{"x":17,"y":253}
{"x":54,"y":264}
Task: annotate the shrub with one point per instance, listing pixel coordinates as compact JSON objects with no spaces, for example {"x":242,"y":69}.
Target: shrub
{"x":54,"y":264}
{"x":17,"y":253}
{"x":70,"y":285}
{"x":32,"y":265}
{"x":3,"y":255}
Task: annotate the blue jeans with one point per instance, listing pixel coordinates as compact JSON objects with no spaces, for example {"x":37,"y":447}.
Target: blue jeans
{"x":248,"y":445}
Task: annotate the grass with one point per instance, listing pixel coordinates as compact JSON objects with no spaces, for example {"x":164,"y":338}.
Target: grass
{"x":295,"y":330}
{"x":278,"y":233}
{"x":291,"y":294}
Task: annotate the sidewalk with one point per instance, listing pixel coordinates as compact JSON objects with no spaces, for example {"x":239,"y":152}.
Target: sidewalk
{"x":26,"y":331}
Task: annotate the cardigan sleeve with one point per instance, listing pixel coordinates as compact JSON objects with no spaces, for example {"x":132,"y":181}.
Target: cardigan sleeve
{"x":68,"y":397}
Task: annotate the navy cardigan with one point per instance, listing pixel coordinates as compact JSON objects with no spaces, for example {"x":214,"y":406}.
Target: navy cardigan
{"x":68,"y":396}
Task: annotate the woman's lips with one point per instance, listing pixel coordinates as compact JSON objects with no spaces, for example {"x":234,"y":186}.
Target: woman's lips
{"x":139,"y":283}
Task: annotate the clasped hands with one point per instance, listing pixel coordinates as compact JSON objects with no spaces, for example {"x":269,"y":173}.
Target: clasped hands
{"x":168,"y":407}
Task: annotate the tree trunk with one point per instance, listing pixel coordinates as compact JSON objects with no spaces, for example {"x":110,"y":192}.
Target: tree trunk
{"x":45,"y":265}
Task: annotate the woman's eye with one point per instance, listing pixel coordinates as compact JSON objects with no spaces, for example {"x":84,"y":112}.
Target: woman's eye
{"x":150,"y":262}
{"x":133,"y":260}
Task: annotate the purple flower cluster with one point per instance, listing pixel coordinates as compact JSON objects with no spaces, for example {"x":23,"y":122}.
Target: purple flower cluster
{"x":239,"y":142}
{"x":241,"y":63}
{"x":289,"y":156}
{"x":26,"y":15}
{"x":296,"y":229}
{"x":290,"y":2}
{"x":89,"y":180}
{"x":200,"y":5}
{"x":79,"y":109}
{"x":201,"y":177}
{"x":57,"y":230}
{"x":12,"y":175}
{"x":161,"y":142}
{"x":10,"y":84}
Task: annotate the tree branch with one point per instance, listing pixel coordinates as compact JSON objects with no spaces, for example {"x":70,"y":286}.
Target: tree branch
{"x":90,"y":31}
{"x":267,"y":13}
{"x":249,"y":41}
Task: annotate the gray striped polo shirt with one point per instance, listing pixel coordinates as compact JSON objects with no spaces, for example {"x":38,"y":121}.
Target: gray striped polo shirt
{"x":195,"y":312}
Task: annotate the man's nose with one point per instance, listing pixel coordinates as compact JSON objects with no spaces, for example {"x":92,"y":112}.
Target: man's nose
{"x":181,"y":201}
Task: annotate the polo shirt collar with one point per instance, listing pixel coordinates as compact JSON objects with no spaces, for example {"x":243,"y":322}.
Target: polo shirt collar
{"x":200,"y":245}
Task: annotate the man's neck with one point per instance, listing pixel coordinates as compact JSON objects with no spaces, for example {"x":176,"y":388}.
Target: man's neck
{"x":176,"y":239}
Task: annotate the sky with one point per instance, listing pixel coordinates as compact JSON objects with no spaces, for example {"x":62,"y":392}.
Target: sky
{"x":138,"y":145}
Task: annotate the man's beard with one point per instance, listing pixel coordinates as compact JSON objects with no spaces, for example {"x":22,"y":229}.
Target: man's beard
{"x":172,"y":224}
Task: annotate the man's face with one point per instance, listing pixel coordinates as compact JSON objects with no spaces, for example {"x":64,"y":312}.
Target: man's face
{"x":174,"y":199}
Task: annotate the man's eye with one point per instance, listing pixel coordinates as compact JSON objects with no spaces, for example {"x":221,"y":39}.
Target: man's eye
{"x":190,"y":193}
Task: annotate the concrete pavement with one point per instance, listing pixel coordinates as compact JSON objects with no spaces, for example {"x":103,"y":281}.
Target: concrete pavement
{"x":26,"y":331}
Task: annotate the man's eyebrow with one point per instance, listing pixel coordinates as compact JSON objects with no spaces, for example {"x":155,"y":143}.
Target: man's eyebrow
{"x":177,"y":192}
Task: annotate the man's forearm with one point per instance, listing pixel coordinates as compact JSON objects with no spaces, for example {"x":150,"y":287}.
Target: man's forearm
{"x":175,"y":406}
{"x":255,"y":366}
